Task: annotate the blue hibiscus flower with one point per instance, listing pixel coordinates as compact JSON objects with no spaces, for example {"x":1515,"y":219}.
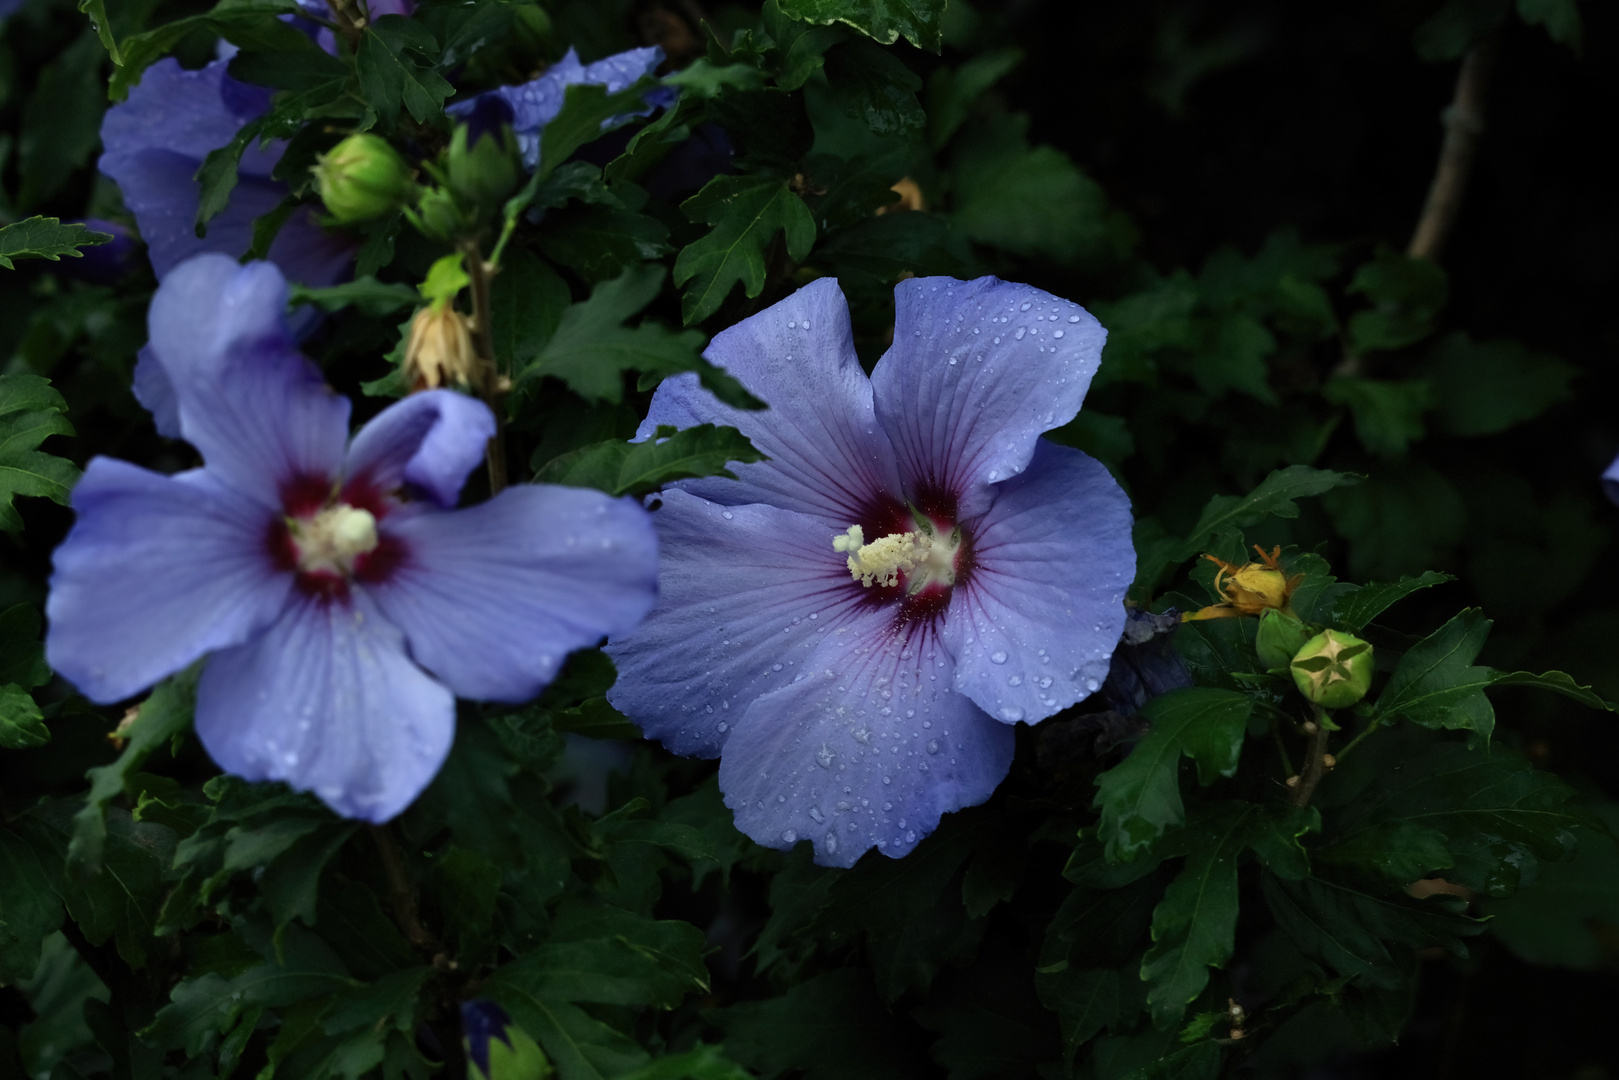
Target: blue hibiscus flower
{"x":854,"y":626}
{"x":345,"y":601}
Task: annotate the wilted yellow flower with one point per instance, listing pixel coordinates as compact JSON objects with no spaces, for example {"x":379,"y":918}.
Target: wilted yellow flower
{"x":440,"y":350}
{"x":1250,"y":589}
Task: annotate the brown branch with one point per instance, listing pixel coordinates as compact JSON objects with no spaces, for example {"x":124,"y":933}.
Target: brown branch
{"x":1464,"y":123}
{"x":494,"y":383}
{"x":1315,"y":762}
{"x":400,"y":896}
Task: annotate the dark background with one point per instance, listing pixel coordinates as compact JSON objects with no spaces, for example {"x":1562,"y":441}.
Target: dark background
{"x":1216,"y":124}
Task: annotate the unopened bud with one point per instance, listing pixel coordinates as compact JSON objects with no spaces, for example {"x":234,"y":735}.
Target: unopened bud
{"x":439,"y":351}
{"x":362,"y":178}
{"x":1333,"y":669}
{"x":1281,"y":635}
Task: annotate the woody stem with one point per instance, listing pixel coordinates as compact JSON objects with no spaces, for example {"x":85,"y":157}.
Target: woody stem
{"x":483,"y":337}
{"x":1315,"y":760}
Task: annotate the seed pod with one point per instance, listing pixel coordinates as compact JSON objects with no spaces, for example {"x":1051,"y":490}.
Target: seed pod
{"x":1333,"y":669}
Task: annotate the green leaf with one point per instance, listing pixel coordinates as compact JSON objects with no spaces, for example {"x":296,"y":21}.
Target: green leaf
{"x":624,"y":468}
{"x":798,"y":50}
{"x":832,"y":1026}
{"x":888,"y":246}
{"x":29,"y":907}
{"x":1232,"y":357}
{"x":30,"y":412}
{"x":1274,"y":497}
{"x":395,"y":62}
{"x":580,"y":1046}
{"x":591,"y":348}
{"x":1140,"y":797}
{"x":601,"y":242}
{"x":1350,"y":931}
{"x":1031,"y":200}
{"x":703,"y":1063}
{"x":1557,"y":682}
{"x":1194,"y":927}
{"x":1085,"y":1000}
{"x":97,"y":10}
{"x":22,"y":654}
{"x":245,"y":23}
{"x":1496,"y":816}
{"x":1407,"y":295}
{"x":1486,"y":387}
{"x":746,"y":212}
{"x":367,"y":295}
{"x":527,"y":302}
{"x":46,"y":238}
{"x":587,"y":110}
{"x":608,"y":956}
{"x":22,"y":725}
{"x":874,"y":86}
{"x":884,"y":21}
{"x":62,"y":121}
{"x":121,"y":903}
{"x":162,"y":717}
{"x":1387,"y":413}
{"x":1437,"y":685}
{"x":953,"y":92}
{"x":1352,"y":610}
{"x":1557,"y":921}
{"x":1561,"y":18}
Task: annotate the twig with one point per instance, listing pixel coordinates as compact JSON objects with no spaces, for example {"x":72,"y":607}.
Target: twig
{"x":1281,"y":749}
{"x":1464,"y":123}
{"x":1377,"y":722}
{"x":481,"y":273}
{"x":400,"y":896}
{"x":1315,"y":761}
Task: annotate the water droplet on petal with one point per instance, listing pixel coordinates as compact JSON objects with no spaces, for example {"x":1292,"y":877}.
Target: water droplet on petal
{"x":1011,"y":713}
{"x":815,"y":812}
{"x":997,"y":657}
{"x":1015,"y":680}
{"x":1056,"y":333}
{"x":726,"y":514}
{"x":789,"y":836}
{"x":933,"y":746}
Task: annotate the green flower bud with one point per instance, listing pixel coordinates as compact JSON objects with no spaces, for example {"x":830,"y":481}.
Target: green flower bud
{"x":439,"y":215}
{"x":362,"y":178}
{"x":484,"y":174}
{"x":1281,"y":635}
{"x":1333,"y":669}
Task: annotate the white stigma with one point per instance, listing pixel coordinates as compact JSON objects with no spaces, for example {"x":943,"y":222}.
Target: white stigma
{"x":882,"y":561}
{"x":333,"y":538}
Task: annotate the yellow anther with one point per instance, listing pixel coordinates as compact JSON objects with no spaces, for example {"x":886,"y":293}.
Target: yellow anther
{"x":883,"y":560}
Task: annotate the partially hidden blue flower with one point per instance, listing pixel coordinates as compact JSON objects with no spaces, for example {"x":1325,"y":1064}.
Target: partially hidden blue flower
{"x":345,"y":601}
{"x":155,"y":142}
{"x":536,"y":103}
{"x":855,"y":625}
{"x":1610,"y":481}
{"x":1145,"y":664}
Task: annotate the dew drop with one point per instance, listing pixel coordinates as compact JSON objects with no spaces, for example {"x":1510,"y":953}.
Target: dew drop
{"x":789,"y":836}
{"x":815,"y":812}
{"x":1024,"y":306}
{"x":1073,"y":318}
{"x":933,"y":746}
{"x":1015,"y":680}
{"x":1020,"y":332}
{"x":792,"y":325}
{"x":723,"y":727}
{"x":1011,"y":713}
{"x":1056,"y":333}
{"x":997,"y":657}
{"x":726,"y":514}
{"x":824,"y":756}
{"x":831,"y":842}
{"x":1091,"y":685}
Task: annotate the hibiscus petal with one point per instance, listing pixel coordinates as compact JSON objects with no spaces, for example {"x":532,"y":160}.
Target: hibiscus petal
{"x":977,"y":371}
{"x":1610,"y":481}
{"x":157,"y":571}
{"x":744,"y":595}
{"x":827,"y":455}
{"x":154,"y":390}
{"x":868,"y":749}
{"x":327,"y":701}
{"x":430,"y":440}
{"x":259,"y":413}
{"x":1033,"y":629}
{"x":492,"y":598}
